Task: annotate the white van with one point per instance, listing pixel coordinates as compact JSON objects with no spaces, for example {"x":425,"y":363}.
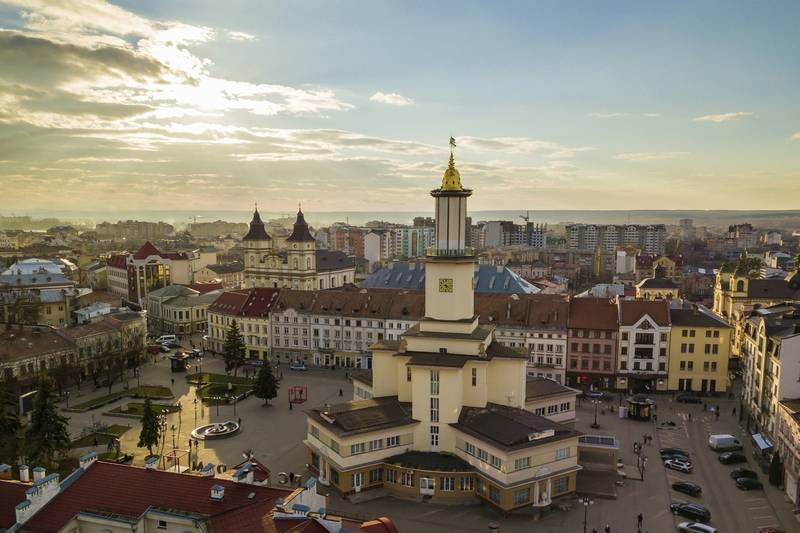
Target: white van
{"x":724,"y":443}
{"x":166,"y":338}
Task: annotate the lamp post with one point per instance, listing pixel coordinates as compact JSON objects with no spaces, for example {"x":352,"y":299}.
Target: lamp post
{"x":195,"y":410}
{"x":67,"y":395}
{"x":595,"y":425}
{"x":586,"y":503}
{"x":173,"y":436}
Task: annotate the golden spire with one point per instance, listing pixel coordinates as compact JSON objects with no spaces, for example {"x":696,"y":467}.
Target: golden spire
{"x":451,"y":181}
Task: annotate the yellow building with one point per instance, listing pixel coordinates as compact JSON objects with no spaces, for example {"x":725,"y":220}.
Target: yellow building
{"x":447,"y":419}
{"x":699,"y":350}
{"x":659,"y":287}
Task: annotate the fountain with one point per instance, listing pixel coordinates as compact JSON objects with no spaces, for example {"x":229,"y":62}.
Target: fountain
{"x":217,"y":430}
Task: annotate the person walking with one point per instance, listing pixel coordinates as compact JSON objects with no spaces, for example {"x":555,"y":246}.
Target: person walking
{"x":341,"y":393}
{"x":734,"y":411}
{"x":639,"y":521}
{"x":690,"y":417}
{"x":607,"y":529}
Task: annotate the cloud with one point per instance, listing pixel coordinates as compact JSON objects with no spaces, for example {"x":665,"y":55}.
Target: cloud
{"x":649,"y":156}
{"x":241,"y":36}
{"x":796,"y":136}
{"x":724,"y":117}
{"x":391,"y":99}
{"x":519,"y":145}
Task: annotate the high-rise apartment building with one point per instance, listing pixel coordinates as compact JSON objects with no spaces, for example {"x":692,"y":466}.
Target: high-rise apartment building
{"x":650,"y":239}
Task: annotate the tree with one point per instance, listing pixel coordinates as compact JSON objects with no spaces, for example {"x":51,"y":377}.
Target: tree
{"x":749,"y":266}
{"x":266,"y":386}
{"x":151,"y":427}
{"x":47,"y":434}
{"x":234,"y":349}
{"x":776,"y":470}
{"x":9,"y":424}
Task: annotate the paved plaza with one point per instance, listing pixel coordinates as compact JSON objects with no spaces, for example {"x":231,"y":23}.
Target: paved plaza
{"x":275,"y":435}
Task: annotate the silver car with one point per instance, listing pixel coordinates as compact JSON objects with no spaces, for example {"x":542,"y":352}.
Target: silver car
{"x":679,"y":465}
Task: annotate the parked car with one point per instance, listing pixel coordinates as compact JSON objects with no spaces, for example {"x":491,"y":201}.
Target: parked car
{"x":258,"y":363}
{"x":167,"y":338}
{"x":687,"y":397}
{"x":724,"y":443}
{"x":687,"y":487}
{"x":596,"y":394}
{"x":676,"y":451}
{"x":172,"y":344}
{"x":748,"y":483}
{"x":695,"y":511}
{"x":695,"y":527}
{"x":164,"y":348}
{"x":743,"y":472}
{"x":668,"y":456}
{"x":297,"y":365}
{"x":770,"y":529}
{"x":677,"y":464}
{"x":730,"y":458}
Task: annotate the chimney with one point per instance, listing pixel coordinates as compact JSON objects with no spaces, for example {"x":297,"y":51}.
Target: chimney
{"x":38,"y":474}
{"x":87,"y":460}
{"x":217,"y":493}
{"x":151,"y":463}
{"x":208,"y":470}
{"x":23,"y":473}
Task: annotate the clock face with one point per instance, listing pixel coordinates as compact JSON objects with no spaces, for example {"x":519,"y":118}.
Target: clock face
{"x":446,"y":285}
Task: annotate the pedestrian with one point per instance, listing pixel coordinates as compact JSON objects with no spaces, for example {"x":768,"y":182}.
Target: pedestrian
{"x":607,"y":529}
{"x":655,"y":418}
{"x":341,"y":393}
{"x":94,"y":443}
{"x":594,"y":530}
{"x":734,"y":411}
{"x":291,"y":478}
{"x":704,"y":407}
{"x":639,"y":520}
{"x":716,"y":413}
{"x":690,"y":417}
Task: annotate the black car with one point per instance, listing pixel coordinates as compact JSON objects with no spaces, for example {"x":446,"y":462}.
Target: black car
{"x":730,"y":458}
{"x":673,"y":451}
{"x":687,"y":397}
{"x":748,"y":483}
{"x":171,"y":344}
{"x":693,"y":511}
{"x":687,"y":487}
{"x":679,"y":456}
{"x":743,"y":472}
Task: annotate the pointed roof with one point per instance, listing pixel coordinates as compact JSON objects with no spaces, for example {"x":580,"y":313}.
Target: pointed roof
{"x":146,"y":251}
{"x":300,"y":232}
{"x":257,"y":230}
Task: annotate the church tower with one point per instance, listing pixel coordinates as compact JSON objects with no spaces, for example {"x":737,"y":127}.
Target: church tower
{"x":450,"y":264}
{"x":301,"y":252}
{"x":257,"y":246}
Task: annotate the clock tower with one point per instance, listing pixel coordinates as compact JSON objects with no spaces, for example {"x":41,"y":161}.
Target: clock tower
{"x":450,"y":264}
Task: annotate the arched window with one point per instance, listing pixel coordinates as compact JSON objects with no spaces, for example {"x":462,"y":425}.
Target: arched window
{"x":252,"y":260}
{"x":295,"y":263}
{"x":740,"y":286}
{"x":308,"y":263}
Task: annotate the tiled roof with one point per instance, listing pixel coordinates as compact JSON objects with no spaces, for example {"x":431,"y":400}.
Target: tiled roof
{"x":86,"y":330}
{"x":255,"y":302}
{"x":538,"y":387}
{"x":442,"y":462}
{"x":771,"y":288}
{"x":204,"y":287}
{"x":510,"y":428}
{"x":631,"y":311}
{"x":593,"y":313}
{"x":300,"y":231}
{"x":172,"y":291}
{"x":698,"y":317}
{"x":657,"y":283}
{"x":226,"y":268}
{"x":355,"y":417}
{"x":332,"y":260}
{"x":411,"y":275}
{"x":11,"y":493}
{"x":146,"y":251}
{"x":16,"y":344}
{"x":229,"y":303}
{"x":130,"y":491}
{"x":118,"y":261}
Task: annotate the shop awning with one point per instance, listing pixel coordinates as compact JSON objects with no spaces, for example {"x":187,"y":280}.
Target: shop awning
{"x":761,"y":442}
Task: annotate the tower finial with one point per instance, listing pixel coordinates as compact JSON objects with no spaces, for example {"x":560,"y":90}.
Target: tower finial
{"x":256,"y":202}
{"x":451,"y":181}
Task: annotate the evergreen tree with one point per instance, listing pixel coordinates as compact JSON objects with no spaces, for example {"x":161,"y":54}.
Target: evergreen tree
{"x":47,"y":434}
{"x":151,"y":428}
{"x":234,"y":349}
{"x":776,"y":470}
{"x":9,"y":425}
{"x":266,"y":386}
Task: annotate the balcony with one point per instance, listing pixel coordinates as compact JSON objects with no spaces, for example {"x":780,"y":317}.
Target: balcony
{"x":433,"y":251}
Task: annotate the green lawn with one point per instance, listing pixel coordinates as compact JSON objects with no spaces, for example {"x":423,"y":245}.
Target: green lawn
{"x":103,"y":437}
{"x":215,"y":392}
{"x":205,"y":377}
{"x":136,"y":409}
{"x":143,"y":391}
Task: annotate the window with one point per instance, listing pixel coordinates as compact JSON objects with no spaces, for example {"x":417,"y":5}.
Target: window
{"x":376,"y":445}
{"x":467,"y":483}
{"x":683,"y":365}
{"x":692,"y":332}
{"x":562,"y":453}
{"x":315,"y":431}
{"x":335,"y":446}
{"x":624,"y":335}
{"x":684,"y":332}
{"x":623,"y":365}
{"x":715,"y":349}
{"x":564,"y":406}
{"x":447,"y":484}
{"x":434,"y":409}
{"x":714,"y":366}
{"x":552,"y":409}
{"x":434,"y":382}
{"x":662,"y":367}
{"x":716,"y":334}
{"x":521,"y":463}
{"x":691,"y":348}
{"x":434,"y":436}
{"x":663,"y":337}
{"x":522,"y":496}
{"x":162,"y":524}
{"x":560,"y":485}
{"x":474,"y":377}
{"x":357,"y":448}
{"x":539,"y":411}
{"x":469,"y":448}
{"x":408,"y":374}
{"x":683,"y":347}
{"x":705,"y":366}
{"x":624,"y":350}
{"x":496,"y":462}
{"x":358,"y":479}
{"x":494,"y":494}
{"x":482,"y":455}
{"x":406,"y":479}
{"x":391,"y":476}
{"x":691,"y":365}
{"x":707,"y":349}
{"x":375,"y":475}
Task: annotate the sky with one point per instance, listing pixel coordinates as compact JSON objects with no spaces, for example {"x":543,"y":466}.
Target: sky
{"x":349,"y":105}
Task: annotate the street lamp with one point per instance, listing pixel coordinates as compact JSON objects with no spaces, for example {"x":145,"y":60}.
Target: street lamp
{"x":586,"y":503}
{"x":195,"y":410}
{"x":173,"y":436}
{"x":67,"y":395}
{"x":595,"y":425}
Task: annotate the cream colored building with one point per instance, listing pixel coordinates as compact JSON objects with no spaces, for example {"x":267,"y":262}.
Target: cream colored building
{"x":699,"y":350}
{"x":299,"y":266}
{"x":447,"y":419}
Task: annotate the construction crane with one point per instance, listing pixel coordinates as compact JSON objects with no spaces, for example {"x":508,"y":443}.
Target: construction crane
{"x":526,"y":217}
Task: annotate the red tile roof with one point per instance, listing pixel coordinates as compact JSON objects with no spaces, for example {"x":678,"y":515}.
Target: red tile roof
{"x":256,"y":302}
{"x":203,"y":288}
{"x":130,"y":491}
{"x":11,"y":493}
{"x":593,"y":313}
{"x":631,"y":311}
{"x":146,"y":251}
{"x":229,"y":303}
{"x":118,"y":261}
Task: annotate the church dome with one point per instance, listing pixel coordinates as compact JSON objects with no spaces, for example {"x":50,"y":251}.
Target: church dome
{"x":451,"y":180}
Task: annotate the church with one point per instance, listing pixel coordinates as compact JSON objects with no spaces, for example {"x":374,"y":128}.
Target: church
{"x":300,"y":265}
{"x":447,"y":419}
